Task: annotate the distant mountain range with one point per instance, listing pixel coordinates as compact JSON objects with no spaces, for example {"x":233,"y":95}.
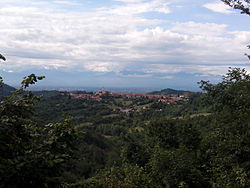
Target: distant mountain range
{"x":6,"y":90}
{"x":169,"y":91}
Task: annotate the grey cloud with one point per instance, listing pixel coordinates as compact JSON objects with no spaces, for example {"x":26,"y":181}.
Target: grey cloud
{"x":106,"y":41}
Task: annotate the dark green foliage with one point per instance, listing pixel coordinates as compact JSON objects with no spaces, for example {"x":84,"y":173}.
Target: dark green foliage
{"x":51,"y":109}
{"x":231,"y":94}
{"x":128,"y":143}
{"x":164,"y":133}
{"x":126,"y":176}
{"x":227,"y":145}
{"x":94,"y":152}
{"x":31,"y":155}
{"x":169,"y":91}
{"x":192,"y":151}
{"x":203,"y":142}
{"x":134,"y":150}
{"x":174,"y":168}
{"x":31,"y":79}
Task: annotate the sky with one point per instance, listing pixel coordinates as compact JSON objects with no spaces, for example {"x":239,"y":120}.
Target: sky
{"x":121,"y":43}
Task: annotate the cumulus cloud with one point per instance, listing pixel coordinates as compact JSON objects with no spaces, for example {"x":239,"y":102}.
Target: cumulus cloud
{"x":71,"y":3}
{"x":103,"y":67}
{"x":219,"y":7}
{"x":198,"y":70}
{"x":130,"y":1}
{"x":113,"y":39}
{"x":193,"y":28}
{"x":139,"y":7}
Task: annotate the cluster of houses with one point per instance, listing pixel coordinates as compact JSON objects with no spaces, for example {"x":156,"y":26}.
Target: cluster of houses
{"x":85,"y":96}
{"x":98,"y":96}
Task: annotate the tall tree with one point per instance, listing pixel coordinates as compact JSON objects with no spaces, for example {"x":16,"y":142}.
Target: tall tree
{"x":227,"y":145}
{"x":31,"y":155}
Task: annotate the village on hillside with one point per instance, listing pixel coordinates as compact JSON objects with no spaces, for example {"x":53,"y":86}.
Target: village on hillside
{"x":98,"y":96}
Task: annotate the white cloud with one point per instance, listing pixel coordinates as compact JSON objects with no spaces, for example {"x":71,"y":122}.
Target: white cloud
{"x":162,"y":68}
{"x":136,"y":75}
{"x":193,"y":28}
{"x":139,"y":7}
{"x":200,"y":70}
{"x":70,"y":3}
{"x":104,"y":40}
{"x":219,"y":7}
{"x":130,"y":1}
{"x":103,"y":67}
{"x":167,"y":77}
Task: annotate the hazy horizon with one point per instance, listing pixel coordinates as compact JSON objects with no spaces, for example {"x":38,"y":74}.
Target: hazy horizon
{"x":95,"y":89}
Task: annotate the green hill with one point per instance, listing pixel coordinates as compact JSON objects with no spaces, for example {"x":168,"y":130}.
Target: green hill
{"x":169,"y":91}
{"x":5,"y":90}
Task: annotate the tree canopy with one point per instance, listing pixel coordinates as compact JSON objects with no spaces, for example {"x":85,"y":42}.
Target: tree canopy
{"x":31,"y":155}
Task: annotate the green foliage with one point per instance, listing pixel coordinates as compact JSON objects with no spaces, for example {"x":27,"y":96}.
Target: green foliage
{"x":177,"y":145}
{"x":164,"y":133}
{"x":173,"y":168}
{"x":31,"y":79}
{"x":126,"y":176}
{"x":135,"y":151}
{"x":231,"y":94}
{"x":169,"y":92}
{"x":31,"y":155}
{"x":227,"y":146}
{"x":199,"y":151}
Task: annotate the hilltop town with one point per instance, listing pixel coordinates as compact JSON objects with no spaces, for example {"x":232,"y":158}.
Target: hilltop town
{"x":98,"y":96}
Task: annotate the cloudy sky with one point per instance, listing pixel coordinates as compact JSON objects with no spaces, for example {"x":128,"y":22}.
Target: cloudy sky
{"x":121,"y":43}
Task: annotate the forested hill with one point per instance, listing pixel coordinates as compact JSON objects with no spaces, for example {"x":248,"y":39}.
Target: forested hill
{"x":169,"y":91}
{"x":6,"y":90}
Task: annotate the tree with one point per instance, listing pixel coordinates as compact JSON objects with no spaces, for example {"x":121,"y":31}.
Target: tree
{"x":3,"y":58}
{"x":126,"y":176}
{"x":31,"y":155}
{"x":227,"y":145}
{"x":242,"y":5}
